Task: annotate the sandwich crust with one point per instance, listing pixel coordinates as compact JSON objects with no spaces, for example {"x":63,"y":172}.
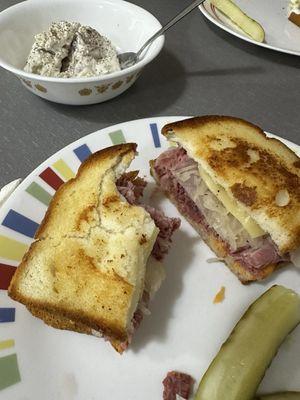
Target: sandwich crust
{"x":251,"y":167}
{"x":58,"y":321}
{"x":87,"y":263}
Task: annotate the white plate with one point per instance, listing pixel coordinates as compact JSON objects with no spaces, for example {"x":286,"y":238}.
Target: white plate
{"x":184,"y":331}
{"x":281,"y":34}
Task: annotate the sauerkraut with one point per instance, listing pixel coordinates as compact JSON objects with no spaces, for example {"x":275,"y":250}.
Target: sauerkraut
{"x":216,"y":215}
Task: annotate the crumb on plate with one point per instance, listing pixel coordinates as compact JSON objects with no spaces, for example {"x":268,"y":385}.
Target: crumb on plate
{"x":220,"y":296}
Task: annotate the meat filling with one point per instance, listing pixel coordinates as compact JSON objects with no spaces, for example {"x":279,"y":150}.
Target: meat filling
{"x":131,"y":187}
{"x":178,"y":174}
{"x":177,"y":384}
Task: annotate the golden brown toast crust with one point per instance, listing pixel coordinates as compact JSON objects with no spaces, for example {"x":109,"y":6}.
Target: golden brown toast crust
{"x":251,"y":167}
{"x":59,"y":322}
{"x":73,"y":275}
{"x":102,"y":156}
{"x":88,"y":263}
{"x":219,"y":247}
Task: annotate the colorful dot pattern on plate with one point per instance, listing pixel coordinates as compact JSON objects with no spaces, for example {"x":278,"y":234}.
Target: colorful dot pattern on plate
{"x":11,"y":250}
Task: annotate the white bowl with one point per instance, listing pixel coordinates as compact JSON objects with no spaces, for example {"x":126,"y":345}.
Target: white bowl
{"x":126,"y":25}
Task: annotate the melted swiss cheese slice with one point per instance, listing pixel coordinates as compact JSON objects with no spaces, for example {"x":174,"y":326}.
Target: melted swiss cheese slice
{"x":232,"y":207}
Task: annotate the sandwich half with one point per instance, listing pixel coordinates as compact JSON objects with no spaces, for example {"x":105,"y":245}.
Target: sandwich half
{"x":87,"y":269}
{"x":238,"y":188}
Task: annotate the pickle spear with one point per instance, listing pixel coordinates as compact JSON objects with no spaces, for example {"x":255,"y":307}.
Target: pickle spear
{"x":280,"y":396}
{"x":240,"y":365}
{"x":251,"y":27}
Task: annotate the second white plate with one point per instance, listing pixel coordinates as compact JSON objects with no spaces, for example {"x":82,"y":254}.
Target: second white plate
{"x":281,"y":34}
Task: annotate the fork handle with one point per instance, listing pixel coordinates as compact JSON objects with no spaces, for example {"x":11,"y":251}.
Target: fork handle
{"x":173,"y":21}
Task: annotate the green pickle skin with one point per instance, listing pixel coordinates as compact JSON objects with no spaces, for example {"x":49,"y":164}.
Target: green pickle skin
{"x":240,"y":365}
{"x":280,"y":396}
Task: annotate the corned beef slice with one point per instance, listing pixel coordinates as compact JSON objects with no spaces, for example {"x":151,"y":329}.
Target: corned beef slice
{"x":178,"y":175}
{"x":131,"y":186}
{"x":177,"y":383}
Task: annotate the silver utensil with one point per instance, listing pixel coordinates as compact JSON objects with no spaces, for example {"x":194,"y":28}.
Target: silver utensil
{"x":130,"y":58}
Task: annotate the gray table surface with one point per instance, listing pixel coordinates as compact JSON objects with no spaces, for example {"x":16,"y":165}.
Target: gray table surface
{"x":202,"y":70}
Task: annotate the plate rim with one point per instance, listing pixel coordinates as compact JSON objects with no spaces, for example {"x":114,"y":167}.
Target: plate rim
{"x":78,"y":142}
{"x":221,"y":25}
{"x":68,"y":147}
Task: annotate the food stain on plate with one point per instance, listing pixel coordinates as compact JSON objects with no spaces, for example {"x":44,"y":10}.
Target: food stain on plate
{"x":220,"y":296}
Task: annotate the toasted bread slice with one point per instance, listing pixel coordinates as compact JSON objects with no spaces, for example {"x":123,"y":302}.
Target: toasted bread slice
{"x":59,"y":322}
{"x":253,"y":169}
{"x":218,"y":246}
{"x":88,"y":261}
